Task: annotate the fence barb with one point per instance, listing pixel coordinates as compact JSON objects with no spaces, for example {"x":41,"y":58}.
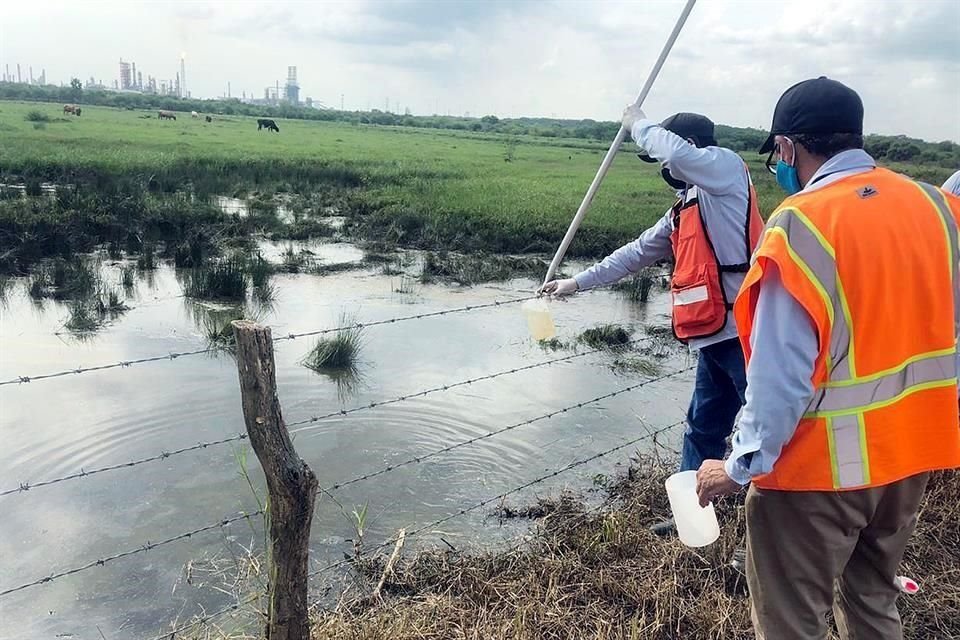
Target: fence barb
{"x":163,"y":455}
{"x":147,"y":546}
{"x":289,"y":336}
{"x":227,"y":521}
{"x":206,"y":618}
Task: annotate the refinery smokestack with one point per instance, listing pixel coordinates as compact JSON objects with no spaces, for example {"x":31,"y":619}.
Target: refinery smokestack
{"x":183,"y":74}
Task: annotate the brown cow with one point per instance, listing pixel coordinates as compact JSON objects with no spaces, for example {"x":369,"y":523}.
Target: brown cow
{"x":166,"y":115}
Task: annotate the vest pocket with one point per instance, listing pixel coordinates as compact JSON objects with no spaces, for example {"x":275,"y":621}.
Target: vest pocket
{"x":698,"y":306}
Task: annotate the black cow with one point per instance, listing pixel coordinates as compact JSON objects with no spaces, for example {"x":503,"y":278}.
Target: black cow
{"x":264,"y":123}
{"x":209,"y":119}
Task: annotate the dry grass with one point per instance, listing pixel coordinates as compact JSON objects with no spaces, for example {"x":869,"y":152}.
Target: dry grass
{"x":600,"y":575}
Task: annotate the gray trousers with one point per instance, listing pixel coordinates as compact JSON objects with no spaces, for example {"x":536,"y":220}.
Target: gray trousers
{"x":808,"y":551}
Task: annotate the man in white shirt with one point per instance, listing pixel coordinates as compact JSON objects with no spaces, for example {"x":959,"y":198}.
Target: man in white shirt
{"x":716,"y":196}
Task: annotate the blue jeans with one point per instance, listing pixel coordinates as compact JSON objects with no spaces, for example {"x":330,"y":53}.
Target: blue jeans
{"x":717,"y":398}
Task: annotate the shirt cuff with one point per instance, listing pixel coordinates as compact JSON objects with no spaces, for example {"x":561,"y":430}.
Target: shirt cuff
{"x":638,"y":129}
{"x":585,"y":280}
{"x":738,"y":471}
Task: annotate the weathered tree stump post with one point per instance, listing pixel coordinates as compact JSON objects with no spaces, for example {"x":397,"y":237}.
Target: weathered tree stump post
{"x":291,"y":483}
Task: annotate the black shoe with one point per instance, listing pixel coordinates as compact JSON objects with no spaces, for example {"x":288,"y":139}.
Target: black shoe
{"x":665,"y":528}
{"x":739,"y":560}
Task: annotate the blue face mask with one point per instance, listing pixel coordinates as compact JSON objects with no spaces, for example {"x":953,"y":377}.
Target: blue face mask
{"x":787,"y":178}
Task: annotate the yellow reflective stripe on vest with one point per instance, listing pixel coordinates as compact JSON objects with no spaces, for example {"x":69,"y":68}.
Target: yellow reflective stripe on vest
{"x":805,"y":242}
{"x":860,"y":394}
{"x":847,"y":440}
{"x":939,"y":202}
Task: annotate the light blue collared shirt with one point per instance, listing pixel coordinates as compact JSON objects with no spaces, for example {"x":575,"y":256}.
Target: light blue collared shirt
{"x":722,"y":188}
{"x":952,"y":185}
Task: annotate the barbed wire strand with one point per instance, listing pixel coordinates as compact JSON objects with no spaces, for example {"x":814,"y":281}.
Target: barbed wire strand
{"x":526,"y":485}
{"x":26,"y":486}
{"x":290,"y":336}
{"x":516,"y":425}
{"x":452,"y":385}
{"x":170,"y":635}
{"x":148,"y":546}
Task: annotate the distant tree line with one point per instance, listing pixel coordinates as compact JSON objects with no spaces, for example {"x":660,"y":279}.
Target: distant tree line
{"x":889,"y":148}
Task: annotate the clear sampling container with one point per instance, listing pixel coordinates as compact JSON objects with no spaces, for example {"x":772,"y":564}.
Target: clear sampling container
{"x":696,"y":526}
{"x":539,"y":320}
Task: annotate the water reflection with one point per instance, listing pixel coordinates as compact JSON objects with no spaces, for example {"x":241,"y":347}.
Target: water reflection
{"x":59,"y":426}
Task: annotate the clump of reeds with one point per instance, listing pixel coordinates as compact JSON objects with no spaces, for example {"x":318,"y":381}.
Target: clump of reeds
{"x":474,"y":268}
{"x":218,"y":280}
{"x":147,"y":260}
{"x":90,"y":313}
{"x":338,"y":353}
{"x":637,"y":288}
{"x":64,"y":279}
{"x":217,"y":326}
{"x":606,"y":336}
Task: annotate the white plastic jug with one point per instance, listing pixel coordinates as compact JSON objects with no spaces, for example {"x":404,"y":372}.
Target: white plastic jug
{"x":539,"y":320}
{"x":696,"y":526}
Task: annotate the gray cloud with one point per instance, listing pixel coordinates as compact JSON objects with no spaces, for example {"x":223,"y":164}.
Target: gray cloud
{"x":520,"y":57}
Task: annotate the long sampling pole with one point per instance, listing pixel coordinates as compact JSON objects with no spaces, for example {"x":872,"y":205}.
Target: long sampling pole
{"x":612,"y":152}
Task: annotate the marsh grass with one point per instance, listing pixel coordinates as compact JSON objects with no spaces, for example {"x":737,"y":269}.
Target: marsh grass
{"x":606,"y":336}
{"x":339,"y":353}
{"x":637,"y":288}
{"x":218,"y":280}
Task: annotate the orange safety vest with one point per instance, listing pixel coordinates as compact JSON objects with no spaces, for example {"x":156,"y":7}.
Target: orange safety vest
{"x":699,"y":301}
{"x":873,"y":259}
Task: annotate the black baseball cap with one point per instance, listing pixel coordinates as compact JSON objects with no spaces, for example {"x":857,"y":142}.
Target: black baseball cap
{"x":687,"y":125}
{"x":819,"y":105}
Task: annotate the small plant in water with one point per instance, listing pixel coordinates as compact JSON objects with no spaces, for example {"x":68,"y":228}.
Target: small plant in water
{"x":606,"y":336}
{"x":637,"y":288}
{"x":338,"y":353}
{"x":128,"y":276}
{"x":224,"y":280}
{"x":148,"y":258}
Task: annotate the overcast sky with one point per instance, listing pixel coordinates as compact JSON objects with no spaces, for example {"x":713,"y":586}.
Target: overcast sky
{"x":571,"y":59}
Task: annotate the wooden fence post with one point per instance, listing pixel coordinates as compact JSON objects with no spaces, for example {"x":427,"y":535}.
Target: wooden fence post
{"x":291,"y":483}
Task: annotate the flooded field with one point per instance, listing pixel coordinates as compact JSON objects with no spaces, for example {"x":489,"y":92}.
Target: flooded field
{"x":63,"y":425}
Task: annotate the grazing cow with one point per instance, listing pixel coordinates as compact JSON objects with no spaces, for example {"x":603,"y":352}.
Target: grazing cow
{"x":194,"y":114}
{"x":264,"y":123}
{"x":71,"y":108}
{"x":209,"y":119}
{"x":166,"y":115}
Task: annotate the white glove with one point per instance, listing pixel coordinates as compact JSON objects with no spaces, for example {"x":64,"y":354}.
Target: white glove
{"x":630,"y":116}
{"x":564,"y":287}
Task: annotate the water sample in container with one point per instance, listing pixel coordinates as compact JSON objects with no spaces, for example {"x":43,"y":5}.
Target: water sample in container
{"x":539,"y":319}
{"x":696,"y":526}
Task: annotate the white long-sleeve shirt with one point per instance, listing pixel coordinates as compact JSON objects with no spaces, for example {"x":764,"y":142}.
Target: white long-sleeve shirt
{"x":784,"y":349}
{"x":952,"y":185}
{"x":721,"y":185}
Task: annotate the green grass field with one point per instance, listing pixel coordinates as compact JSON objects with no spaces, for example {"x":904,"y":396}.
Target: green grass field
{"x":419,"y":187}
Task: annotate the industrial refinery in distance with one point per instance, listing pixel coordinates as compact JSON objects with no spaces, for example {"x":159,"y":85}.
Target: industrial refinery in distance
{"x":130,"y":79}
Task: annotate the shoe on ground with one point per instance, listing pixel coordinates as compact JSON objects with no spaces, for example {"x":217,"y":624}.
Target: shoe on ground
{"x":665,"y":528}
{"x":739,"y":560}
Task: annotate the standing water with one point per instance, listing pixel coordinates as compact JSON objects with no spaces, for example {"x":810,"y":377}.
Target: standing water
{"x":63,"y":425}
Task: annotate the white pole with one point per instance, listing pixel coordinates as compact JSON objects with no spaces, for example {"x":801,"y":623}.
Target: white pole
{"x":612,"y":152}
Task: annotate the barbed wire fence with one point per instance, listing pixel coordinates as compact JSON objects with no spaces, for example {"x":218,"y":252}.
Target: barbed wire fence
{"x":228,"y":520}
